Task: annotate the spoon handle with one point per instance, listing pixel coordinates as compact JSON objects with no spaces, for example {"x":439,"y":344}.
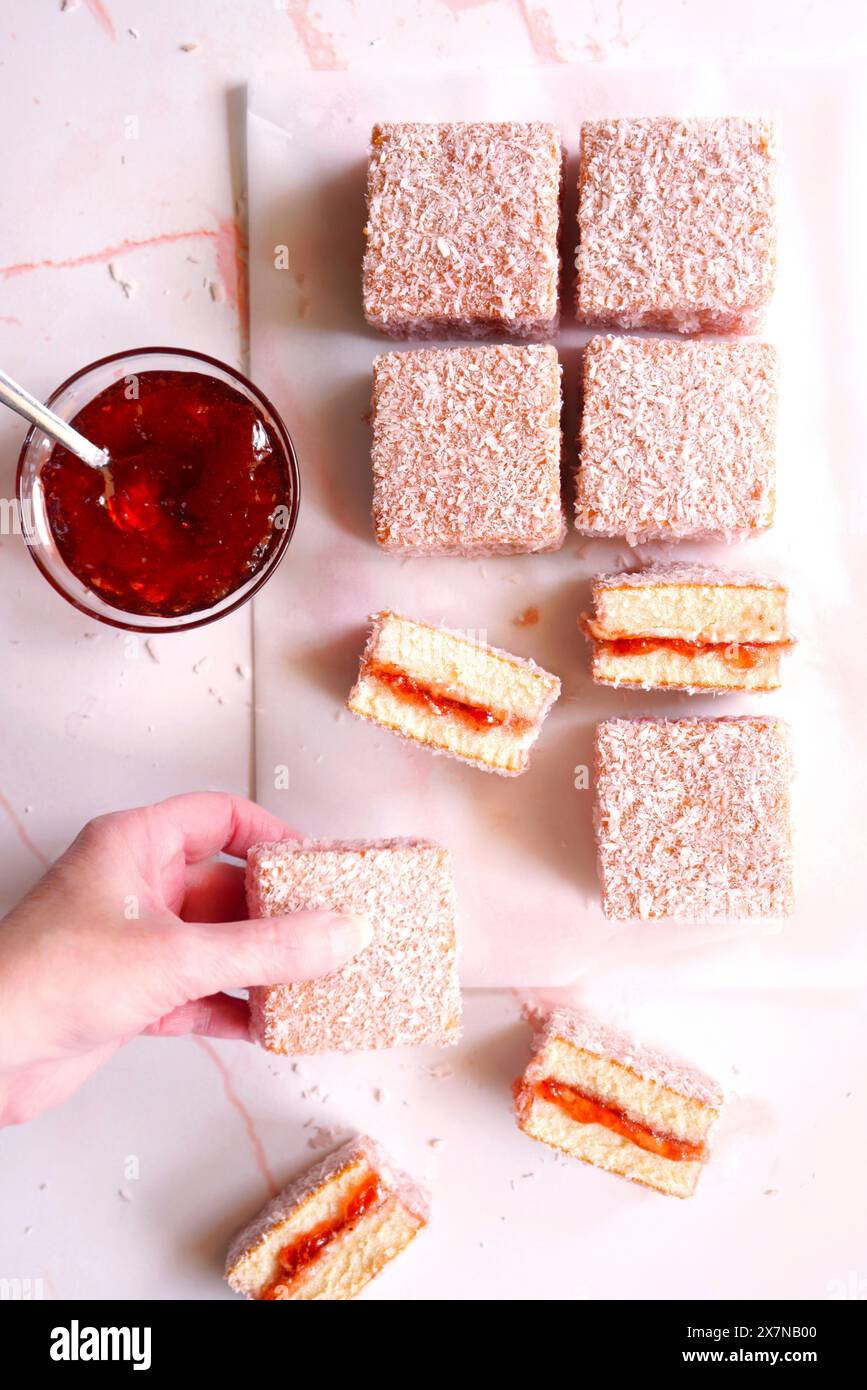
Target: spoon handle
{"x":18,"y":399}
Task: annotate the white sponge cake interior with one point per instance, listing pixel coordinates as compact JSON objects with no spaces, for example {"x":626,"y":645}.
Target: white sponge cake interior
{"x":357,"y":1256}
{"x":707,"y":613}
{"x":660,"y":1108}
{"x":704,"y":668}
{"x":604,"y":1149}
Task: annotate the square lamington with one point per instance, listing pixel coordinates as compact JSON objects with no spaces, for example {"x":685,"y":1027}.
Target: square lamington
{"x":692,"y":818}
{"x":677,"y":439}
{"x":462,"y":229}
{"x":466,"y":451}
{"x":677,"y":224}
{"x":402,"y":990}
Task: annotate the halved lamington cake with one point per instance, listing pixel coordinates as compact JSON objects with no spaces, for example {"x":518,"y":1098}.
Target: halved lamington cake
{"x":331,"y":1231}
{"x":687,"y":627}
{"x":595,"y":1094}
{"x":452,"y":693}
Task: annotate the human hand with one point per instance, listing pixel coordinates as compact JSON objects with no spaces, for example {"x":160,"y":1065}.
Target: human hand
{"x":132,"y":931}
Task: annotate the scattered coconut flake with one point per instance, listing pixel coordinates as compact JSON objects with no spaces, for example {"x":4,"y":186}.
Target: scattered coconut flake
{"x":323,"y":1137}
{"x":153,"y":650}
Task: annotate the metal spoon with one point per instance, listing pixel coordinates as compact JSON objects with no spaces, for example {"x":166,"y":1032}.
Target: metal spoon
{"x":18,"y":399}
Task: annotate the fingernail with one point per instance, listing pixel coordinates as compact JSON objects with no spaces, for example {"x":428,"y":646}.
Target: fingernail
{"x":353,"y":930}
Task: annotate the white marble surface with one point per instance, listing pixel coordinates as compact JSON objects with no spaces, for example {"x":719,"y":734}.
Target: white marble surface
{"x":127,"y":152}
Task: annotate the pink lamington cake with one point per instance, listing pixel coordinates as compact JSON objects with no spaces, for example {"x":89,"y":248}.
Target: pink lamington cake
{"x":462,"y":229}
{"x":599,"y":1096}
{"x":677,"y":224}
{"x":466,"y":451}
{"x":693,"y":818}
{"x":402,"y":990}
{"x":677,"y":439}
{"x":329,"y":1232}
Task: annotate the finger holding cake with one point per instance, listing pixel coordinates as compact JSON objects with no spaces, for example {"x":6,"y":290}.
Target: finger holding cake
{"x":326,"y":1235}
{"x":598,"y":1096}
{"x":687,"y":627}
{"x":452,"y":693}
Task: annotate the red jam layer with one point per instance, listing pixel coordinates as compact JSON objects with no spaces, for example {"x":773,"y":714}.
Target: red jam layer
{"x":300,"y":1253}
{"x":201,"y":493}
{"x":587,"y":1111}
{"x":424,"y":696}
{"x":739,"y":655}
{"x":742,"y":656}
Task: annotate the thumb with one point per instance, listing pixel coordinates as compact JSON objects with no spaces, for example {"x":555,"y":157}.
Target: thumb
{"x":268,"y":950}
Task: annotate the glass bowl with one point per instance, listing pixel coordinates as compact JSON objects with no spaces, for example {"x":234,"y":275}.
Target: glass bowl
{"x":67,"y":401}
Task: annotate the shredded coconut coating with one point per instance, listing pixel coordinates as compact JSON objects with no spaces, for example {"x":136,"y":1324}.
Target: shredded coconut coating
{"x":462,"y":230}
{"x":589,"y":1034}
{"x":359,"y":1149}
{"x":677,"y":224}
{"x":692,"y":818}
{"x":680,"y":573}
{"x":677,"y":439}
{"x":466,"y":451}
{"x":402,"y":990}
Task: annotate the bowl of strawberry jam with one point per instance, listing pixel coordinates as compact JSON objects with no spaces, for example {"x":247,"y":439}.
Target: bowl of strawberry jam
{"x":202,"y":498}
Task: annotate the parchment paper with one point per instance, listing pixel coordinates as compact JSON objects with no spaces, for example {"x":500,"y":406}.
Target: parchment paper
{"x":523,"y":848}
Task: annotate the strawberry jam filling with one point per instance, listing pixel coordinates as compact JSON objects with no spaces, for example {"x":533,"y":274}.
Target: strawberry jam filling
{"x":200,"y":493}
{"x":741,"y":656}
{"x":585,"y":1110}
{"x":301,"y":1252}
{"x":425,"y":697}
